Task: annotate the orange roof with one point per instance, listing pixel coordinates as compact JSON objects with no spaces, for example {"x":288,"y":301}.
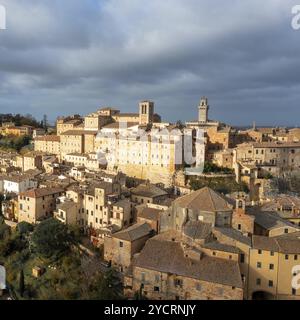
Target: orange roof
{"x":40,"y":192}
{"x":48,"y":138}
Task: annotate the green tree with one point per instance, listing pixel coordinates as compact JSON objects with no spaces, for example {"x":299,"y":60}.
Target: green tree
{"x":210,"y":167}
{"x":21,"y":283}
{"x":24,"y":227}
{"x":1,"y":200}
{"x":4,"y":229}
{"x":51,"y":239}
{"x":104,"y":287}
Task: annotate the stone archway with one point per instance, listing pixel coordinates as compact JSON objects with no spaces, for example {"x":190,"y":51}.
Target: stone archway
{"x":262,"y":295}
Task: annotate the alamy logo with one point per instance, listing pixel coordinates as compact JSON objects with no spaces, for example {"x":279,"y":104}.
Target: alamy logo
{"x":2,"y":278}
{"x":296,"y":18}
{"x":296,"y":277}
{"x":2,"y":17}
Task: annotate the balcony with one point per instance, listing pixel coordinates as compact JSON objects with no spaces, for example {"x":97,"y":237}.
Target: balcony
{"x":59,"y":217}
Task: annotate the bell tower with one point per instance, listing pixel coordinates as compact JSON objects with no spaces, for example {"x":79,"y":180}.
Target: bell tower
{"x":203,"y":110}
{"x":146,"y":112}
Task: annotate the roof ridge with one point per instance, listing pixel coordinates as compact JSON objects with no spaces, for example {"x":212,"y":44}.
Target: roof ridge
{"x":211,"y":197}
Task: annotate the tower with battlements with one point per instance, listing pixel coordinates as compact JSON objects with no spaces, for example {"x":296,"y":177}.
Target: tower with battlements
{"x":203,"y":110}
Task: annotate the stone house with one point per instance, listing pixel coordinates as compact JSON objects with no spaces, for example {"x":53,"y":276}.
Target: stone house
{"x":165,"y":270}
{"x":120,"y":247}
{"x":38,"y":204}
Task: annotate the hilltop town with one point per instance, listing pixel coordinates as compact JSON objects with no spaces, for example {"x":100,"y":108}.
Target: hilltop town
{"x":198,"y":210}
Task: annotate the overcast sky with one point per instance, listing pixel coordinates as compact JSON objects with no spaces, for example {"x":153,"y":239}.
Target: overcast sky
{"x":74,"y":56}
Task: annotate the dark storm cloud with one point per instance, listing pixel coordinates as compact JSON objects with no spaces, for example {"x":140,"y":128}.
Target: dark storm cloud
{"x":73,"y":56}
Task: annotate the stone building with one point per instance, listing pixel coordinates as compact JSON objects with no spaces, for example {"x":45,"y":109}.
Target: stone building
{"x":236,"y":239}
{"x":219,"y":136}
{"x":77,"y":141}
{"x":10,"y":208}
{"x":148,"y":193}
{"x":242,"y":221}
{"x":137,"y":144}
{"x":88,"y":161}
{"x":17,"y":183}
{"x":18,"y":131}
{"x":271,"y":225}
{"x":151,"y":213}
{"x":120,"y":247}
{"x":96,"y":206}
{"x":67,"y":212}
{"x":29,"y":161}
{"x":64,"y":124}
{"x":286,"y":206}
{"x":48,"y":144}
{"x":270,"y":157}
{"x":168,"y":270}
{"x":37,"y":204}
{"x":272,"y":263}
{"x":203,"y":205}
{"x":149,"y":154}
{"x":146,"y":113}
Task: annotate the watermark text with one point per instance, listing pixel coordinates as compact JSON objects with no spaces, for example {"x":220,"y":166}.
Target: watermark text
{"x":296,"y":17}
{"x":2,"y":17}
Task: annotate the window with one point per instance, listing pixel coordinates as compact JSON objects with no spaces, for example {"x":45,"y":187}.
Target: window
{"x":198,"y":287}
{"x":156,"y":289}
{"x":239,"y":227}
{"x":178,"y":283}
{"x":258,"y":282}
{"x":143,"y":276}
{"x":270,"y":283}
{"x":259,"y":251}
{"x":294,"y":292}
{"x":286,"y":257}
{"x":272,"y":253}
{"x":121,"y":244}
{"x":295,"y":257}
{"x":271,"y":267}
{"x":258,"y":265}
{"x":286,"y":230}
{"x":242,"y":258}
{"x":157,"y":278}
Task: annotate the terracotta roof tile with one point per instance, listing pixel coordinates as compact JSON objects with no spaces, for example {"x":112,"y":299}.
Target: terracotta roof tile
{"x":169,"y":257}
{"x":41,"y":192}
{"x":204,"y":199}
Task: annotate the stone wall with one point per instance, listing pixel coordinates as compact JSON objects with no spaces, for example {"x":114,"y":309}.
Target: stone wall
{"x":163,"y":286}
